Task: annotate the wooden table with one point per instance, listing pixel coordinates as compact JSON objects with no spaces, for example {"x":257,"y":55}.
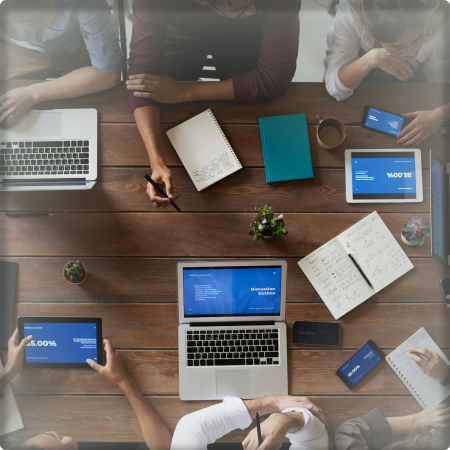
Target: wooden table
{"x":131,"y":251}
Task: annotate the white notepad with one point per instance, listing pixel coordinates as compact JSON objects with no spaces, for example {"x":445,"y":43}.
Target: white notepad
{"x":204,"y":150}
{"x":427,"y":391}
{"x":10,"y":419}
{"x":337,"y":280}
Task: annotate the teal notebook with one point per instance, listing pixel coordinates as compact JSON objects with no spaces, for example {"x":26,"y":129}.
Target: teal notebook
{"x":285,"y":144}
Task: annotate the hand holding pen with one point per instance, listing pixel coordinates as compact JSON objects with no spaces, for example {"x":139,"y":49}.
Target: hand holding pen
{"x":163,"y":179}
{"x":165,"y":199}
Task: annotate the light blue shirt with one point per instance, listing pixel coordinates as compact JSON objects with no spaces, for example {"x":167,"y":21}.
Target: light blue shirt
{"x":90,"y":20}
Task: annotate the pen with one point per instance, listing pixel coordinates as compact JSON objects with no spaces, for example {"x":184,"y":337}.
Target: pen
{"x":360,"y":270}
{"x":417,"y":354}
{"x":26,"y":214}
{"x":161,"y":192}
{"x":258,"y":429}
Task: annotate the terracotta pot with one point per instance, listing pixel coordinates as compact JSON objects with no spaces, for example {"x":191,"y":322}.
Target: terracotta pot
{"x":75,"y":282}
{"x":405,"y":241}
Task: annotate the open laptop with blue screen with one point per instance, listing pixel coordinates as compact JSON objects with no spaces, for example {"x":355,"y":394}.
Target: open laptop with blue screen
{"x":232,"y":335}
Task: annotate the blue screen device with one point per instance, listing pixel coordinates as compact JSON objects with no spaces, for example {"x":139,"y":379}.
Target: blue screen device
{"x":383,"y":121}
{"x":360,"y":364}
{"x":61,"y":342}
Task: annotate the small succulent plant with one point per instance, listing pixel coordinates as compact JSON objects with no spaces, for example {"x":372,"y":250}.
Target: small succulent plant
{"x":266,"y":224}
{"x":415,"y":230}
{"x":74,"y":271}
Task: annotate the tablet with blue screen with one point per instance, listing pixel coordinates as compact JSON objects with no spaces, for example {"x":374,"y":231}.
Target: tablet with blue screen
{"x":383,"y":176}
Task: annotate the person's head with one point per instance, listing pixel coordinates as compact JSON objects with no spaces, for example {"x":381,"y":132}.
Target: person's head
{"x":428,"y":439}
{"x":50,"y":440}
{"x":233,"y":9}
{"x":399,"y":25}
{"x":31,"y":14}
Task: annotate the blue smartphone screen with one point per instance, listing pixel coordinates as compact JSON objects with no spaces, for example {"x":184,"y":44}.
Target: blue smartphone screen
{"x":360,"y":364}
{"x":383,"y":121}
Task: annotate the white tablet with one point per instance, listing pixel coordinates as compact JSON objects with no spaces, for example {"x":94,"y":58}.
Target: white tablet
{"x":383,"y":176}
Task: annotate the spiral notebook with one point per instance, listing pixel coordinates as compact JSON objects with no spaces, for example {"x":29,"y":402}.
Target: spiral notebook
{"x":427,"y":391}
{"x":204,"y":150}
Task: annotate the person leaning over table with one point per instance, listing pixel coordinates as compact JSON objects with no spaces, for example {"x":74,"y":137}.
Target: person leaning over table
{"x":392,"y":41}
{"x":254,"y":45}
{"x":75,"y":40}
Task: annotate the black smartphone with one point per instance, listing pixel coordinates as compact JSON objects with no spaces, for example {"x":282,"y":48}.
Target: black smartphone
{"x":445,"y":286}
{"x":383,"y":121}
{"x":360,"y":364}
{"x":316,"y":333}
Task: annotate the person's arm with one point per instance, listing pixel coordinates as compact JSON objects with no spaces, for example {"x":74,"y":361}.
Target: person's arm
{"x":431,"y":364}
{"x":156,"y":434}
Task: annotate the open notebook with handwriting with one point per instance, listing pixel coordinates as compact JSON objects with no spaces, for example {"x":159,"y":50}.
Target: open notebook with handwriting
{"x":427,"y":391}
{"x":337,"y":280}
{"x":204,"y":150}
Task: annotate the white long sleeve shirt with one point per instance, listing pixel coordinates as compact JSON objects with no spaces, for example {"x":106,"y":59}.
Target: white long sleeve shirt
{"x":349,"y":33}
{"x":197,"y":430}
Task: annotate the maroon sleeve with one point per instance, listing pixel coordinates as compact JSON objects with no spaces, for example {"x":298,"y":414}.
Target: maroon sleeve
{"x":146,"y":49}
{"x":277,"y":56}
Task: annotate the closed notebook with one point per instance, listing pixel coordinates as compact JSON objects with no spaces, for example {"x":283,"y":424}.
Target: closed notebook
{"x":285,"y":143}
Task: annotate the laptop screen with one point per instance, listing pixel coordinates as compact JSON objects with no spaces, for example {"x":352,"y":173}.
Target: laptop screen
{"x":438,"y":207}
{"x":232,"y":291}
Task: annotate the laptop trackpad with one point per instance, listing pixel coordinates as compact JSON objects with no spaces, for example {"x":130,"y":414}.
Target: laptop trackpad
{"x":44,"y":124}
{"x":233,"y":383}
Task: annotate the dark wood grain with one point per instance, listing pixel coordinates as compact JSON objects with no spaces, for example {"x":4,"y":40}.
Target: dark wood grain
{"x":97,"y":419}
{"x":147,"y":280}
{"x":154,"y":326}
{"x":173,"y":234}
{"x":125,"y":190}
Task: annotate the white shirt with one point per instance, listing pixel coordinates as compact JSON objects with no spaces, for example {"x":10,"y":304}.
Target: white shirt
{"x":197,"y":430}
{"x":349,"y":33}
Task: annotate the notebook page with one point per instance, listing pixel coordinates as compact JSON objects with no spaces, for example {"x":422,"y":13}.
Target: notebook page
{"x":204,"y":150}
{"x":429,"y":391}
{"x":376,"y":251}
{"x":335,"y":278}
{"x":10,"y":419}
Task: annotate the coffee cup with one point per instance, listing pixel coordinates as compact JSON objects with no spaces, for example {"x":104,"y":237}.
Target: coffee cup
{"x":330,"y":132}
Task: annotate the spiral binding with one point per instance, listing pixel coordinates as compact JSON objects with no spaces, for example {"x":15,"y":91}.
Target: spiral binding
{"x":224,"y":137}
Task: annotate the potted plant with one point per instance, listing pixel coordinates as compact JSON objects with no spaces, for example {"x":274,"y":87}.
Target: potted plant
{"x":414,"y":232}
{"x":266,"y":225}
{"x":75,"y":272}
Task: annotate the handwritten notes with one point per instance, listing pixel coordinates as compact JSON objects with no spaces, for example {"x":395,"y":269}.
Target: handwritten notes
{"x":337,"y":280}
{"x":204,"y":150}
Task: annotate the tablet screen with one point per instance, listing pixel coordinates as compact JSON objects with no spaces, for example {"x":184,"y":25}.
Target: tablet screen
{"x":438,"y":207}
{"x":384,"y":175}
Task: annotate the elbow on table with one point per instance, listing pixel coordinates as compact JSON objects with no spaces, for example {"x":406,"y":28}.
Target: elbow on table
{"x":111,"y":79}
{"x":332,"y":84}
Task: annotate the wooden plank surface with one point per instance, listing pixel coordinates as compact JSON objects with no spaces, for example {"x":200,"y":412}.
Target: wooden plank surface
{"x":175,"y":234}
{"x":153,"y":280}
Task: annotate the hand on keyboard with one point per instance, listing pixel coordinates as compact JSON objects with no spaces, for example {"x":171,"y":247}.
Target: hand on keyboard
{"x":14,"y":104}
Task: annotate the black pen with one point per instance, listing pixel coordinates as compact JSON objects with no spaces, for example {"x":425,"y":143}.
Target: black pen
{"x":258,"y":429}
{"x":420,"y":355}
{"x":26,"y":214}
{"x":361,"y":271}
{"x":161,"y":192}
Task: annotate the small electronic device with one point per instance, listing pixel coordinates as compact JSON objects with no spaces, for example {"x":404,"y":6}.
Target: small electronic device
{"x":61,"y":342}
{"x":445,"y":286}
{"x":383,"y":121}
{"x":360,"y":364}
{"x":383,"y":176}
{"x":316,"y":333}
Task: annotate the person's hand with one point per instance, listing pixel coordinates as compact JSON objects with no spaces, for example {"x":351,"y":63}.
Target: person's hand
{"x":437,"y":416}
{"x":162,"y":176}
{"x":399,"y":67}
{"x":15,"y":353}
{"x":113,"y":370}
{"x":160,"y":88}
{"x":434,"y":366}
{"x":14,"y":104}
{"x":273,"y":431}
{"x":283,"y":402}
{"x":425,"y":124}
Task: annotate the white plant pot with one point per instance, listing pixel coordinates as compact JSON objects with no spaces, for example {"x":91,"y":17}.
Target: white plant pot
{"x":405,"y":241}
{"x":268,"y":237}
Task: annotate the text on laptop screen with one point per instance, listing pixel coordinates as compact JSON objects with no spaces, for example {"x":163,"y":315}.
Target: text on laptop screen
{"x":437,"y":208}
{"x":237,"y":291}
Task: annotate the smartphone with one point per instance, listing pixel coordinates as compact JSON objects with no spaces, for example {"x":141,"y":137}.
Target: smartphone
{"x":445,"y":286}
{"x":316,"y":333}
{"x":360,"y":364}
{"x":383,"y":121}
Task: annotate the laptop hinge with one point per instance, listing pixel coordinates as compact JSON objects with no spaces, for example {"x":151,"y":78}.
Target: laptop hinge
{"x":229,"y":324}
{"x":44,"y":180}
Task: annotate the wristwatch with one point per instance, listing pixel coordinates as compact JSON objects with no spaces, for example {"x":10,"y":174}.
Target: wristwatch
{"x":446,"y":381}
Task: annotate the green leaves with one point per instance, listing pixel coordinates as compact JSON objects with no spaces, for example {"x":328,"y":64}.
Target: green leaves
{"x":266,"y":224}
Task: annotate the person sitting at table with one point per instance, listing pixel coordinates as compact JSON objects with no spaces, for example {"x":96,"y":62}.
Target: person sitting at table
{"x":254,"y":46}
{"x":426,"y":430}
{"x":391,"y":41}
{"x":75,"y":42}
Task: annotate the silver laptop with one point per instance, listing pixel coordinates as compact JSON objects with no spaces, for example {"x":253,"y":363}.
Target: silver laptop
{"x":50,"y":150}
{"x":232,"y":337}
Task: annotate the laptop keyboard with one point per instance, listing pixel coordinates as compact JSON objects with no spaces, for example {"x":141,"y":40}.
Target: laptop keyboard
{"x":232,"y":347}
{"x":44,"y":158}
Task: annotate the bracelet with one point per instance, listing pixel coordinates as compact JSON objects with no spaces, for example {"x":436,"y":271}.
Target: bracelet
{"x":446,"y":381}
